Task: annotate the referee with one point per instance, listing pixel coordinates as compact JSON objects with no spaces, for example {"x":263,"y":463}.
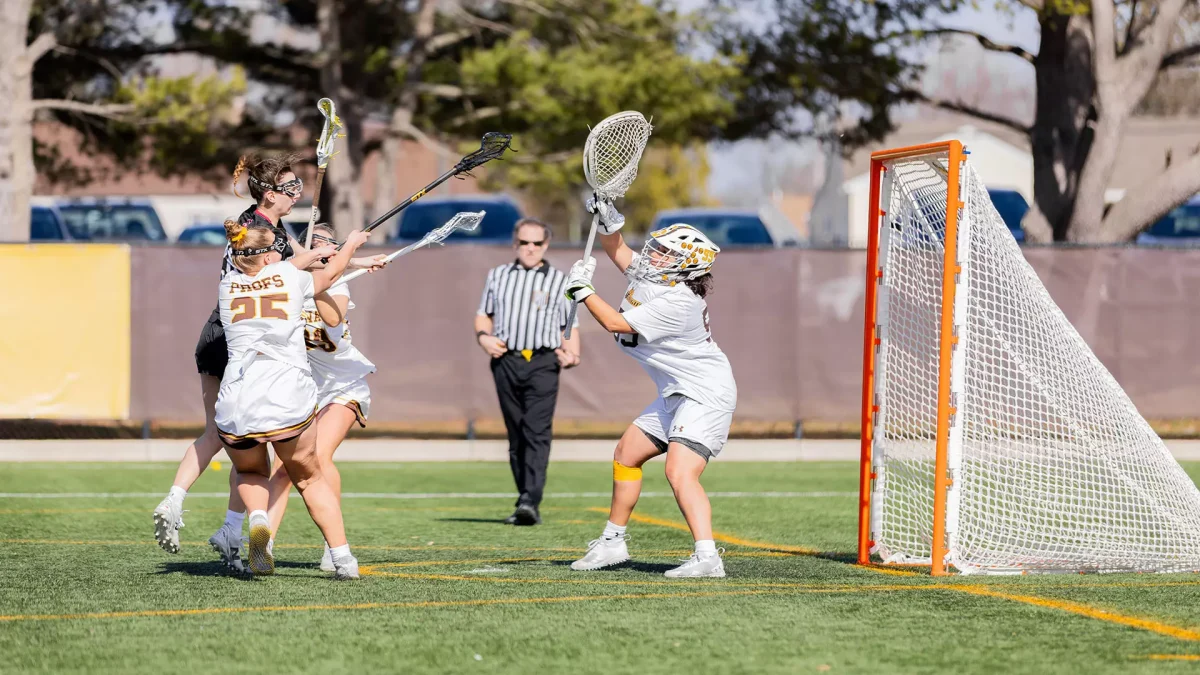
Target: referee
{"x":519,"y":324}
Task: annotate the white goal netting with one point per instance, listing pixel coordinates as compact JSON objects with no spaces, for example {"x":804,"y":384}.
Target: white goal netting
{"x":1051,"y":466}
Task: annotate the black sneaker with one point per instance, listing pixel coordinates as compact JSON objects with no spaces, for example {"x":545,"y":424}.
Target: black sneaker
{"x":526,"y":515}
{"x":511,"y":520}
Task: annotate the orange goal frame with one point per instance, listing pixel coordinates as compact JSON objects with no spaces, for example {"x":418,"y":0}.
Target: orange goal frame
{"x":946,"y":341}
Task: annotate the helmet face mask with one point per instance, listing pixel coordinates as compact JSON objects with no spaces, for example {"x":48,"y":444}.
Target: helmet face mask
{"x":675,"y":253}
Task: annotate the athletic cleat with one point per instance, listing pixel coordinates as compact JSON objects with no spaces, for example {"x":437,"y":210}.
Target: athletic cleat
{"x":699,"y":566}
{"x":262,"y":562}
{"x":228,"y":544}
{"x":327,"y":561}
{"x":603,"y":553}
{"x":345,"y":568}
{"x":168,"y":519}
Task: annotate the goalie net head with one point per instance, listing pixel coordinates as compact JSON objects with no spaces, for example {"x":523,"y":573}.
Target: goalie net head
{"x":612,"y":152}
{"x":1050,"y":466}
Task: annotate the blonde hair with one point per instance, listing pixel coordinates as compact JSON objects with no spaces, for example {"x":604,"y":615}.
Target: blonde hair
{"x":265,"y":169}
{"x":242,"y":237}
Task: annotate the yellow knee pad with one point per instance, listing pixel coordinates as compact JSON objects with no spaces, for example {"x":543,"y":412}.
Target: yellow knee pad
{"x":622,"y":472}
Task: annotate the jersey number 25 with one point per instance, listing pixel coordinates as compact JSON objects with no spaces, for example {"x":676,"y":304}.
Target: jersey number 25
{"x":252,"y":307}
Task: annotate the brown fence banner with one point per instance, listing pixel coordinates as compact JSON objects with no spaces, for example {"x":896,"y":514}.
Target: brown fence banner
{"x":790,"y":321}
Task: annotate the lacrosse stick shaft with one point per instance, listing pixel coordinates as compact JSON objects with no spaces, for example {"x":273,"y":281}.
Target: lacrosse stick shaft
{"x":408,"y":202}
{"x":312,"y":219}
{"x":587,"y":252}
{"x":390,"y":257}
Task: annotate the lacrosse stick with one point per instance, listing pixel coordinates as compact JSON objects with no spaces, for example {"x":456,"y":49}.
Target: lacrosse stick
{"x":610,"y":163}
{"x":493,"y":146}
{"x":330,"y":131}
{"x":466,"y":221}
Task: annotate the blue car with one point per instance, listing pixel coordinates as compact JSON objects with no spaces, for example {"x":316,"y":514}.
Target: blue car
{"x":108,"y":219}
{"x":210,"y":234}
{"x":1012,"y":208}
{"x":433,"y":212}
{"x":727,"y":228}
{"x":46,"y":224}
{"x":1180,"y":227}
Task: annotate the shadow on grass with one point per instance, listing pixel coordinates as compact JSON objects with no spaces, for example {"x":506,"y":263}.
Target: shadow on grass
{"x":649,"y":568}
{"x":200,"y":569}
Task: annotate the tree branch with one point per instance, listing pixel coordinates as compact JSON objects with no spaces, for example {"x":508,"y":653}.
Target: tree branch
{"x":985,"y":42}
{"x":1152,"y":199}
{"x":1179,"y":56}
{"x":108,"y":110}
{"x":966,"y":109}
{"x":447,"y":91}
{"x":439,"y":42}
{"x":38,"y":48}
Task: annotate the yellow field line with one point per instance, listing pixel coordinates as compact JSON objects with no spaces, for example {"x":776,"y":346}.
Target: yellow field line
{"x":1169,"y":657}
{"x":1085,"y":610}
{"x":424,"y":604}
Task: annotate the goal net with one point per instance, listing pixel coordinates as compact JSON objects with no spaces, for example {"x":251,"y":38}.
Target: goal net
{"x":994,"y":440}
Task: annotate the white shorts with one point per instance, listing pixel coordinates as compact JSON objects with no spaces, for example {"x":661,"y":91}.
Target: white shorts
{"x":355,"y":396}
{"x":679,"y":419}
{"x":268,"y":400}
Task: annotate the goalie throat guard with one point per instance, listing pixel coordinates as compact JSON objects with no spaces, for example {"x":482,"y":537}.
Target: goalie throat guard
{"x":675,"y":253}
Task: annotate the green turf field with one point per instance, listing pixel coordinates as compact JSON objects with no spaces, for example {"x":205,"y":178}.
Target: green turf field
{"x":449,"y":589}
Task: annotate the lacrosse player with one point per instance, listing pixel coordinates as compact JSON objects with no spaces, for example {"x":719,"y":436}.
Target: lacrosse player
{"x":275,"y":189}
{"x":663,"y":324}
{"x":343,"y":397}
{"x":267,"y":393}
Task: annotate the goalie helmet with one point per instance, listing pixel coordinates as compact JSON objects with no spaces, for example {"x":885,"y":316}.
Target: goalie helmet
{"x":676,"y":253}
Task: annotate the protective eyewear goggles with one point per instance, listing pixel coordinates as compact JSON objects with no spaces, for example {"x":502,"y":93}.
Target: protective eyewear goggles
{"x":292,"y":188}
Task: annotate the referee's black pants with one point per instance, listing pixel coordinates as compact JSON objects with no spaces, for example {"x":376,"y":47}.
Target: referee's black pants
{"x":528,"y":391}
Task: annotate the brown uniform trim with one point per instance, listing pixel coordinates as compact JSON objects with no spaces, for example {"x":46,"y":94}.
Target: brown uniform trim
{"x":267,"y":436}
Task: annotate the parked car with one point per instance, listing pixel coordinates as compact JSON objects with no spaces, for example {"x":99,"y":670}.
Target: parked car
{"x":1012,"y":208}
{"x":433,"y":212}
{"x":206,"y":234}
{"x":103,"y":219}
{"x":46,"y":224}
{"x":1180,"y":227}
{"x":725,"y":227}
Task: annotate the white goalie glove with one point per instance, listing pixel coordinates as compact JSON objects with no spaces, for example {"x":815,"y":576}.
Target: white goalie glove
{"x":611,"y":220}
{"x":579,"y":281}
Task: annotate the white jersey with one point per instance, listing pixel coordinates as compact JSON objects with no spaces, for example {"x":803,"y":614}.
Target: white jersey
{"x":263,"y":314}
{"x":674,"y":345}
{"x":336,"y":362}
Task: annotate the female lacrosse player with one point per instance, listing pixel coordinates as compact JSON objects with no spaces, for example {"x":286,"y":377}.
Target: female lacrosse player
{"x":275,"y":189}
{"x":663,"y":325}
{"x":343,"y":397}
{"x":267,"y":393}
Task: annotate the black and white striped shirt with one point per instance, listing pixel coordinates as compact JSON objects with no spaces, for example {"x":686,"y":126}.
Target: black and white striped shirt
{"x":528,"y":308}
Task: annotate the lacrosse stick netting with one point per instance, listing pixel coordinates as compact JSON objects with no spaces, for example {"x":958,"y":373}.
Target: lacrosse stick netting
{"x":464,"y":221}
{"x":331,"y":130}
{"x":610,"y":163}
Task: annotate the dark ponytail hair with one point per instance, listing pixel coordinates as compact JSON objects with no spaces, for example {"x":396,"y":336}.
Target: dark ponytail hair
{"x":701,"y":286}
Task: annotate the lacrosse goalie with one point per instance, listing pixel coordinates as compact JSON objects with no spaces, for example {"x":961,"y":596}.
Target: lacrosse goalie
{"x":663,"y":325}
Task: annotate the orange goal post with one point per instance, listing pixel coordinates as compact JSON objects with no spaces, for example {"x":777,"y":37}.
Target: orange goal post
{"x":993,"y":439}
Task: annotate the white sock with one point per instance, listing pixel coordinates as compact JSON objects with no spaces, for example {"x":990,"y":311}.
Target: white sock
{"x":612,"y":530}
{"x":177,"y":493}
{"x":234,"y":519}
{"x":326,"y":546}
{"x":706,"y":547}
{"x":339,"y":552}
{"x":259,"y":514}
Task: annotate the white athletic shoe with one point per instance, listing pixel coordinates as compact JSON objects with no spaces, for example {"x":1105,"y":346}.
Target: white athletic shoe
{"x":168,"y":519}
{"x":603,"y":553}
{"x":262,"y":562}
{"x":227,"y":542}
{"x":345,"y":568}
{"x":327,"y":561}
{"x":699,"y":566}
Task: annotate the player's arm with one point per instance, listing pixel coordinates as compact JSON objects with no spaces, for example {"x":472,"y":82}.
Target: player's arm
{"x":612,"y":320}
{"x":579,"y":289}
{"x":323,"y":279}
{"x":315,"y":260}
{"x":332,"y":308}
{"x":610,"y":222}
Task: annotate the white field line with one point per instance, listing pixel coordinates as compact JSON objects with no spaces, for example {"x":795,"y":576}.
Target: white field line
{"x":410,"y":495}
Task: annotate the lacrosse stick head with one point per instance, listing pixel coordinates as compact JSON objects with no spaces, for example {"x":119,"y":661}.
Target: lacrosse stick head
{"x":330,"y":131}
{"x":612,"y":152}
{"x":464,"y":221}
{"x":491,"y":147}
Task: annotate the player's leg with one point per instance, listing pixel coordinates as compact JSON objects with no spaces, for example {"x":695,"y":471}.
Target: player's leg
{"x":168,"y":515}
{"x":299,"y":455}
{"x":281,"y":489}
{"x":253,"y":468}
{"x":637,"y":446}
{"x":697,"y":435}
{"x":227,"y":540}
{"x":333,"y":423}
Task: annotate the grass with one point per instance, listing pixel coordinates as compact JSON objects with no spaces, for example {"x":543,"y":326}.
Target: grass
{"x":449,"y":589}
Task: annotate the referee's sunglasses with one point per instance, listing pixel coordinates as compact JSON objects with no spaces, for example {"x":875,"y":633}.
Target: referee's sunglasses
{"x":523,"y":242}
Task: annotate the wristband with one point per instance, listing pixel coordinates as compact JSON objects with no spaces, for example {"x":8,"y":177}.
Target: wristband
{"x":480,"y":333}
